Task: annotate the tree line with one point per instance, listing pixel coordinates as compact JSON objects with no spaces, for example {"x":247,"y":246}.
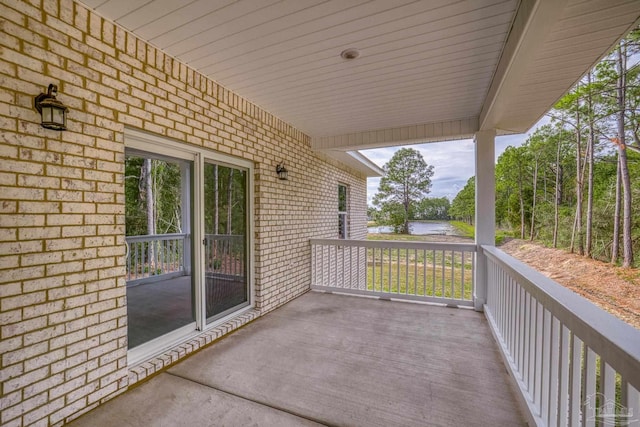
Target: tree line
{"x":575,"y":183}
{"x":154,"y":191}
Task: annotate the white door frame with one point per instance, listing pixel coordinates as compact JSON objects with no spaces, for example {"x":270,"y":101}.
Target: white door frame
{"x":150,"y":143}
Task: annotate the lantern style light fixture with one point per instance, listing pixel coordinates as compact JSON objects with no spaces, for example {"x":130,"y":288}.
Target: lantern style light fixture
{"x":53,"y":112}
{"x":282,"y":172}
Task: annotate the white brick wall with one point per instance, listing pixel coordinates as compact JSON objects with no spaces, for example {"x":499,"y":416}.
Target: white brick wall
{"x":62,"y":288}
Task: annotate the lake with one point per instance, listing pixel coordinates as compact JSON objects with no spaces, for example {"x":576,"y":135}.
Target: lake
{"x":421,"y":228}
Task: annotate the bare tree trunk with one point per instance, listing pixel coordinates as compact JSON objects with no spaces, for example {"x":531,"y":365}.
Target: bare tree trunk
{"x":590,"y":148}
{"x":615,"y":245}
{"x":627,"y":248}
{"x":577,"y":228}
{"x":148,"y":189}
{"x":216,"y":201}
{"x":533,"y":204}
{"x":521,"y":197}
{"x":544,"y":180}
{"x":151,"y":223}
{"x":558,"y":196}
{"x":229,"y":201}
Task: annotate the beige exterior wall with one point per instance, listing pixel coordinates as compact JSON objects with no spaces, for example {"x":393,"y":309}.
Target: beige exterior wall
{"x":62,"y":288}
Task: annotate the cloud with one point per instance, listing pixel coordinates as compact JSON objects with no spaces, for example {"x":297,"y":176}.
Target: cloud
{"x":453,"y":161}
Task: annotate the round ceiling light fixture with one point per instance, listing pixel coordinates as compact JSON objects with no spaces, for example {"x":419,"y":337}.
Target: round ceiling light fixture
{"x":351,"y":53}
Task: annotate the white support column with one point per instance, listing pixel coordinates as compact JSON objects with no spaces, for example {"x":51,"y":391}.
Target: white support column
{"x":485,"y":219}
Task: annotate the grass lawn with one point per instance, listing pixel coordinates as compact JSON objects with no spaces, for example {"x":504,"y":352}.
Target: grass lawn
{"x":421,"y":272}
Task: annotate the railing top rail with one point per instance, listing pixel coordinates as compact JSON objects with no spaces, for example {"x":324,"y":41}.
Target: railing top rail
{"x":395,"y":244}
{"x":155,"y":237}
{"x":610,"y":337}
{"x":224,"y":236}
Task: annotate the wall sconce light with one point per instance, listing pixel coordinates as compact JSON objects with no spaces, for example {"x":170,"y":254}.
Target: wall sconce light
{"x":53,"y":112}
{"x":282,"y":172}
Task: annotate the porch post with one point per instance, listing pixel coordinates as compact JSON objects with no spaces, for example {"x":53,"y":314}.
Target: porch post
{"x":485,"y":217}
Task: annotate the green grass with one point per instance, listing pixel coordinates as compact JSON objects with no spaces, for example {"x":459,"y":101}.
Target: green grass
{"x":468,"y":230}
{"x":432,"y":273}
{"x":391,"y":236}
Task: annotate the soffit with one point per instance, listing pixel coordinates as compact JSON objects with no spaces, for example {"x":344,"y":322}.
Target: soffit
{"x":424,"y":65}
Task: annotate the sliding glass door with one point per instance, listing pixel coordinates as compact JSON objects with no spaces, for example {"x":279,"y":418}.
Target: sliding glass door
{"x":160,"y":286}
{"x":225,"y":243}
{"x":188,"y":238}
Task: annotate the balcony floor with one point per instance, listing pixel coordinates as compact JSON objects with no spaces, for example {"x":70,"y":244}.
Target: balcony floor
{"x":333,"y":360}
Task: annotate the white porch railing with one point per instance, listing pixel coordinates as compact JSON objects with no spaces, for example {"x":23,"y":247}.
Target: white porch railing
{"x":162,"y":256}
{"x":225,"y":255}
{"x":432,"y":272}
{"x":574,"y":363}
{"x":155,"y":257}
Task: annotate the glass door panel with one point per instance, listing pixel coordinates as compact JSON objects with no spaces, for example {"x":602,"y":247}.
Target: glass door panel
{"x":225,"y":242}
{"x":158,"y":265}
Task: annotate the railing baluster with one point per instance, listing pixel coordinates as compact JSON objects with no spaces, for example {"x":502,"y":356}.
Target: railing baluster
{"x":563,"y":376}
{"x":575,"y":380}
{"x":351,"y":280}
{"x":521,"y":327}
{"x":589,"y":388}
{"x":443,"y":274}
{"x":139,"y":260}
{"x":373,"y":268}
{"x":337,"y":282}
{"x":462,"y":296}
{"x":398,"y":270}
{"x":473,"y":268}
{"x":554,"y":360}
{"x":546,"y":364}
{"x":453,"y":269}
{"x":415,"y":271}
{"x":381,"y":269}
{"x":390,"y":272}
{"x":608,"y":381}
{"x":630,"y":399}
{"x":433,"y":271}
{"x":406,"y":271}
{"x":513,"y":322}
{"x":322,"y":278}
{"x":527,"y":342}
{"x":424,"y":272}
{"x":164,"y":253}
{"x":539,"y":351}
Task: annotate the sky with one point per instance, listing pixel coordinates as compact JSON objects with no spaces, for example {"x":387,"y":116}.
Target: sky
{"x":453,"y":161}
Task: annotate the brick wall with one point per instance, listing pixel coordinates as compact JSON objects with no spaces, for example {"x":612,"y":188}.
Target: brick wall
{"x":63,"y":317}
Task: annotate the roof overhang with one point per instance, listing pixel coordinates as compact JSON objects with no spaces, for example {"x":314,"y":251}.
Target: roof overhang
{"x":356,"y":161}
{"x":431,"y":70}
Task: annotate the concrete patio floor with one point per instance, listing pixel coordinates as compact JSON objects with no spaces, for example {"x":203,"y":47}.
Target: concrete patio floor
{"x":326,"y":359}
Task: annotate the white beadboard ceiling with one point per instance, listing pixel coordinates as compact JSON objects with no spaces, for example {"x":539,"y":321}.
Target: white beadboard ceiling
{"x":428,"y":69}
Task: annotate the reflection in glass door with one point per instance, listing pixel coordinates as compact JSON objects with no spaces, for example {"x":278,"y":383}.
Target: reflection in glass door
{"x":158,"y":263}
{"x":225,"y":239}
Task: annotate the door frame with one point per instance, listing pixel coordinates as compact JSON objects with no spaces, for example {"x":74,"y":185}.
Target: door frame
{"x":151,"y":143}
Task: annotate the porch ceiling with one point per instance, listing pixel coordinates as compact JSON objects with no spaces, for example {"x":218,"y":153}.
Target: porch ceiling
{"x":428,"y":70}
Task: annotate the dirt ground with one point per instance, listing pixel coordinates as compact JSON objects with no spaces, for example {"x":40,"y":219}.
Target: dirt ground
{"x":614,"y":289}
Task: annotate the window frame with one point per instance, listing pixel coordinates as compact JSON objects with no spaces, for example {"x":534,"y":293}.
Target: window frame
{"x":343,"y":215}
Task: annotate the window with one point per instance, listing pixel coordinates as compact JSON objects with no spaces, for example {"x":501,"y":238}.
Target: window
{"x":343,"y":213}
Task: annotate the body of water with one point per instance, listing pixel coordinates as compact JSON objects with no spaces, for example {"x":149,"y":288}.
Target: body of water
{"x":421,"y":228}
